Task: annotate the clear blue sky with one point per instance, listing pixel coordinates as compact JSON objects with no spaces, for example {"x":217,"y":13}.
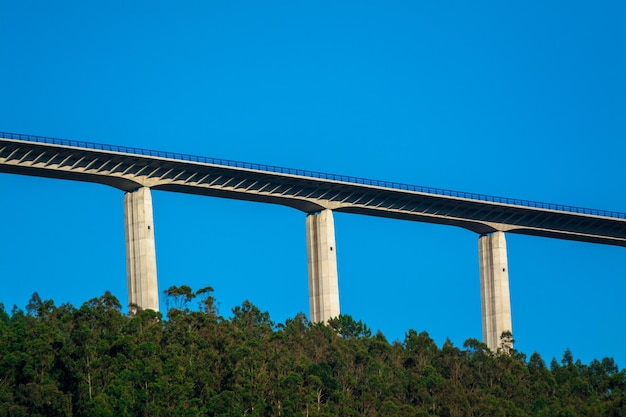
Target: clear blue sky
{"x":517,"y":99}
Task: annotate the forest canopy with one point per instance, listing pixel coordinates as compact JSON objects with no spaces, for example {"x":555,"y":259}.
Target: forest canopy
{"x":97,"y":361}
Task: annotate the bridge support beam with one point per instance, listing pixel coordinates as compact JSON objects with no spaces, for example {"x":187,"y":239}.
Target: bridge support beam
{"x":322,"y":261}
{"x":494,"y":289}
{"x":141,"y":271}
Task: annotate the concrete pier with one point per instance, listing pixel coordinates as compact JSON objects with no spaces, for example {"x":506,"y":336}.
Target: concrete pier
{"x":141,"y":271}
{"x":322,"y":261}
{"x":494,"y":288}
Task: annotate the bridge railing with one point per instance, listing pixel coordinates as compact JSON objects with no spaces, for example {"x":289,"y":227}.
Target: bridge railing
{"x":314,"y":174}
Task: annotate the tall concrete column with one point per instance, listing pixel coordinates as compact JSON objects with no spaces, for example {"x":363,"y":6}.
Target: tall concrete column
{"x":141,"y":273}
{"x":322,"y":260}
{"x":494,"y":288}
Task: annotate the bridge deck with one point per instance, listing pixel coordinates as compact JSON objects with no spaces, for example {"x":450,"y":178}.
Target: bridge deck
{"x":130,"y":168}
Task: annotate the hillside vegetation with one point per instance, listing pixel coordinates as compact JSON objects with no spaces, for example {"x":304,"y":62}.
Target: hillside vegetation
{"x":97,"y":361}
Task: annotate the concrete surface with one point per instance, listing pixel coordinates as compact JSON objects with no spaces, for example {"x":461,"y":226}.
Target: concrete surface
{"x":143,"y":291}
{"x":322,"y":262}
{"x":494,"y":288}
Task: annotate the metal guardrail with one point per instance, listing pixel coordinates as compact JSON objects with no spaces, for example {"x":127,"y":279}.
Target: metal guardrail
{"x":314,"y":174}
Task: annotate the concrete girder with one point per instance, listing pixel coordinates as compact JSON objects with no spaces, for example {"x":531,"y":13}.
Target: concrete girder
{"x":305,"y":190}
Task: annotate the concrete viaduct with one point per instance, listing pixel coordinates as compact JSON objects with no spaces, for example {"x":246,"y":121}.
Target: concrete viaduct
{"x":137,"y":171}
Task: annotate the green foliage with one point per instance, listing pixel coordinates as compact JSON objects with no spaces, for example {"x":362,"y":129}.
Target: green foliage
{"x":181,"y":296}
{"x":348,"y":328}
{"x":96,"y":361}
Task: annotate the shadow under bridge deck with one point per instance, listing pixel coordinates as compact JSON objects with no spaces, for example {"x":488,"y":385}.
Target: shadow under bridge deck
{"x":129,"y":169}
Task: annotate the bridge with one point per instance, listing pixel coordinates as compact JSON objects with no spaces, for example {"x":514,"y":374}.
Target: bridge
{"x":138,"y":171}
